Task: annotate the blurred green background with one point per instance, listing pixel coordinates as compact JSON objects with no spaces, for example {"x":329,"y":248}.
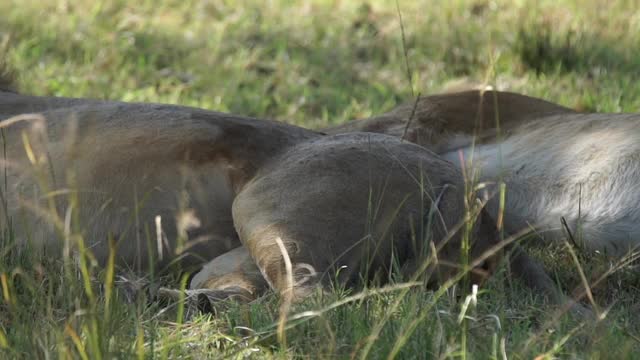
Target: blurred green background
{"x":321,"y":62}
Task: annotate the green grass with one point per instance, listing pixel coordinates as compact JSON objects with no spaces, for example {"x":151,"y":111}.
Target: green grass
{"x":316,"y":63}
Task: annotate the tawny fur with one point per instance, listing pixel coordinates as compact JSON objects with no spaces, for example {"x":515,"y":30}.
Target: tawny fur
{"x":356,"y":200}
{"x":450,"y":121}
{"x":133,"y":162}
{"x":556,"y":163}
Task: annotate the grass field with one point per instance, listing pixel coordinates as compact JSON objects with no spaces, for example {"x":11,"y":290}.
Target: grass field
{"x":316,"y":63}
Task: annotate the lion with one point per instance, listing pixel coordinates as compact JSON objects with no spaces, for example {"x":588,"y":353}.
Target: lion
{"x":354,"y":202}
{"x":264,"y":204}
{"x":567,"y":174}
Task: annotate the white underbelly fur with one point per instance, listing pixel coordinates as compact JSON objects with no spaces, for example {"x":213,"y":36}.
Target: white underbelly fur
{"x":585,"y":169}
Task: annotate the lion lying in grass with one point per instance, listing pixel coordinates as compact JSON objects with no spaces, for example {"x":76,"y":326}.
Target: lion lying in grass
{"x":567,"y":174}
{"x":128,"y":172}
{"x":272,"y":204}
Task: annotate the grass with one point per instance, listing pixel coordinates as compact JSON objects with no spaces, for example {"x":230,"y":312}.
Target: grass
{"x":316,"y":63}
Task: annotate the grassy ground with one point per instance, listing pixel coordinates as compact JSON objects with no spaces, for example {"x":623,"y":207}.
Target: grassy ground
{"x":315,"y":63}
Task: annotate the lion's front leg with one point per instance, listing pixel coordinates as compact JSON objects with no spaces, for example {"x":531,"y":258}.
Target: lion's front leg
{"x":230,"y":276}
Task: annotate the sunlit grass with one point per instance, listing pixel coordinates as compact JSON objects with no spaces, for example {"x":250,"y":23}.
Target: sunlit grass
{"x":315,"y":63}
